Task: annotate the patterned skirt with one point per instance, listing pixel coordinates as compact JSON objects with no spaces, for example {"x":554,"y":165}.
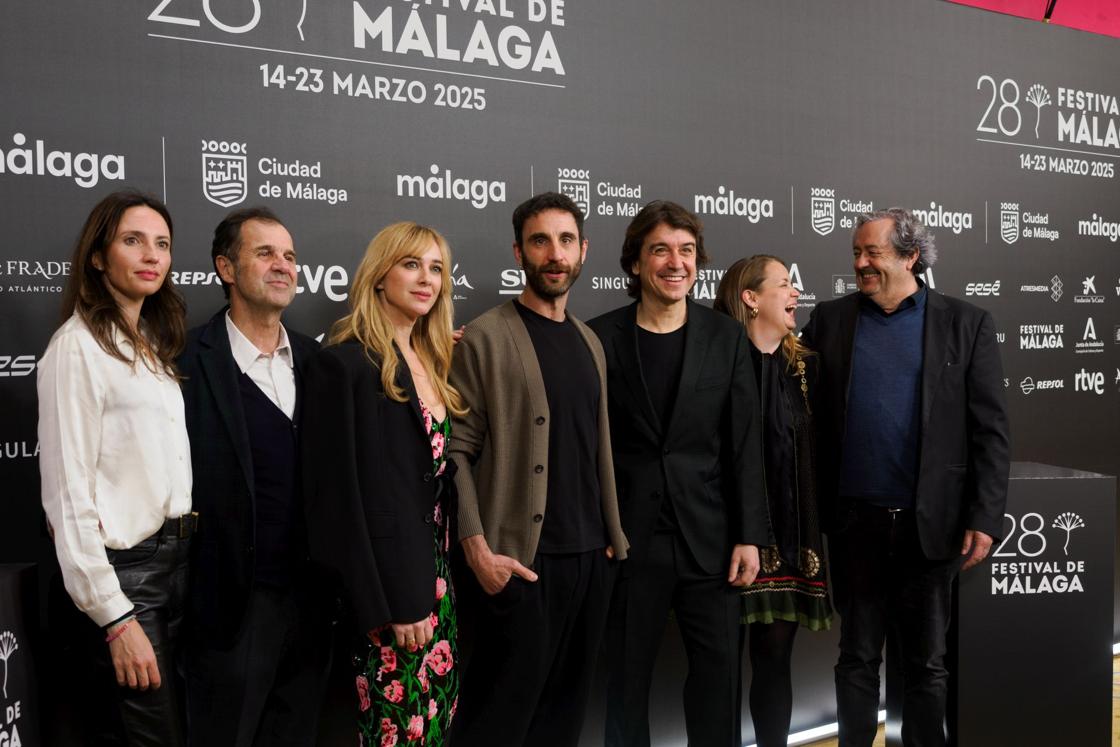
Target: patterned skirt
{"x":405,"y":696}
{"x":780,"y":592}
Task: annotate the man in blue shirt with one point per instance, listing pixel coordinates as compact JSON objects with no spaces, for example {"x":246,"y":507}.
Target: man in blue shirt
{"x":913,"y":464}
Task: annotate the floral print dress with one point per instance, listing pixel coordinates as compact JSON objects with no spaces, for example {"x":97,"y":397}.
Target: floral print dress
{"x":408,"y":697}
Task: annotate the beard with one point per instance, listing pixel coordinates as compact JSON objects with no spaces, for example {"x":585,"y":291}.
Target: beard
{"x":535,"y":279}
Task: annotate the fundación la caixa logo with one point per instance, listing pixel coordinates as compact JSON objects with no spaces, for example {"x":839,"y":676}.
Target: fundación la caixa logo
{"x":225,"y":179}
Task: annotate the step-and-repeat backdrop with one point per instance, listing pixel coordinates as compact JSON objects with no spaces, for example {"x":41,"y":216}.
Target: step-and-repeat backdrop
{"x":777,"y":121}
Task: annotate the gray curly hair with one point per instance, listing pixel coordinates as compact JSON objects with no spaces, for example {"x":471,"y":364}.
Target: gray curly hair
{"x":909,"y":235}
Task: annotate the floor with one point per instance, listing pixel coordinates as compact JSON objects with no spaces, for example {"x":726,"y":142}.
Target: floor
{"x":880,"y":740}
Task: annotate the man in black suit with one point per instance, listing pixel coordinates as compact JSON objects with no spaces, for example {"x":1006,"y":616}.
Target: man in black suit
{"x":259,"y":643}
{"x":686,"y":434}
{"x":913,"y":463}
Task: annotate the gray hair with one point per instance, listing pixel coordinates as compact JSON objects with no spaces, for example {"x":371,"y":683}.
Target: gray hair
{"x":909,"y":235}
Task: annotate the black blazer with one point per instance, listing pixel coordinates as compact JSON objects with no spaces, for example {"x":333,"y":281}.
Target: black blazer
{"x":369,"y":488}
{"x":222,"y":562}
{"x":964,"y":451}
{"x":708,"y":457}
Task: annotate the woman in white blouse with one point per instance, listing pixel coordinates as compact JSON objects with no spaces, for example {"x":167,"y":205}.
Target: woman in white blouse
{"x":114,"y":459}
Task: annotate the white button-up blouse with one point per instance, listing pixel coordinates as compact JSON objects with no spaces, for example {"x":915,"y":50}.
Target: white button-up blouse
{"x":114,"y":460}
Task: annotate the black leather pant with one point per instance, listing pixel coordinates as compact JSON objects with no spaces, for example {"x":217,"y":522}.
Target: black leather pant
{"x":153,"y":575}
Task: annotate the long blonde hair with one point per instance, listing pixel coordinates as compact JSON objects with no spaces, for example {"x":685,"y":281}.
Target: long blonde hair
{"x":369,"y":324}
{"x":749,"y":274}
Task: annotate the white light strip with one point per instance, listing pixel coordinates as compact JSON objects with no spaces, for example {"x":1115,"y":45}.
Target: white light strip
{"x":830,"y":730}
{"x":822,"y":732}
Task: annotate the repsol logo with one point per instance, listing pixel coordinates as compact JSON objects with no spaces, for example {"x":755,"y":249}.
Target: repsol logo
{"x":16,"y":365}
{"x":726,"y":202}
{"x":86,"y":169}
{"x":938,"y":217}
{"x":445,"y":186}
{"x":194,"y":278}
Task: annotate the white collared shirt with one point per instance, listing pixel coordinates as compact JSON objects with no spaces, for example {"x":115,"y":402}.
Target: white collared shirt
{"x":114,"y":459}
{"x":273,"y":374}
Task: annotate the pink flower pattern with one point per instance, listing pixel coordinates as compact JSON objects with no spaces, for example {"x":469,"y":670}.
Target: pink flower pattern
{"x":416,"y":729}
{"x":363,"y":693}
{"x":394,"y":691}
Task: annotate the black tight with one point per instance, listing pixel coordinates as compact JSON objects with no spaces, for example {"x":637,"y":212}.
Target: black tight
{"x":771,"y":696}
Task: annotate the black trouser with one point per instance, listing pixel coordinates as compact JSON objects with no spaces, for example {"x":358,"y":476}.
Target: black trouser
{"x":533,"y":659}
{"x":880,"y":581}
{"x":153,"y":575}
{"x":268,"y":689}
{"x":707,"y":610}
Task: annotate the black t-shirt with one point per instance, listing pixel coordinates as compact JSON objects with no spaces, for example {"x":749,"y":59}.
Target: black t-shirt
{"x":661,"y":356}
{"x":573,"y":519}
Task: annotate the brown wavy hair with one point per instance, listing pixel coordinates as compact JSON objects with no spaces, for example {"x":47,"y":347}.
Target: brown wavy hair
{"x":749,"y":274}
{"x":368,"y":323}
{"x":159,"y":336}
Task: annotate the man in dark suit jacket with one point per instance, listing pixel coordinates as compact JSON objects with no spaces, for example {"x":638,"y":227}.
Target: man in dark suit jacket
{"x":686,"y":435}
{"x":913,"y":464}
{"x":258,"y":649}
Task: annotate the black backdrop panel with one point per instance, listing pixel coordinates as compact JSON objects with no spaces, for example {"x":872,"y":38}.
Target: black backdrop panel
{"x":776,"y":120}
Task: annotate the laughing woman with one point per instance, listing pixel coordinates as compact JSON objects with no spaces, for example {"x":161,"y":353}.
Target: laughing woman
{"x":115,"y":462}
{"x":790,"y":588}
{"x":378,"y":490}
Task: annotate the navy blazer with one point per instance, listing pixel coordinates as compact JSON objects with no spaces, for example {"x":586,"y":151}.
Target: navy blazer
{"x":222,"y":552}
{"x":964,"y":446}
{"x":708,"y":456}
{"x":369,"y":489}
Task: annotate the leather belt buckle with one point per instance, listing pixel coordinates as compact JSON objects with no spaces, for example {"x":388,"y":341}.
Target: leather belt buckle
{"x":187,"y":524}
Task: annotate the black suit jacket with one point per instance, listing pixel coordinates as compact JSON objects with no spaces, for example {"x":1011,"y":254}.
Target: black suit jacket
{"x":222,"y":562}
{"x":964,"y":452}
{"x":708,"y":457}
{"x":369,"y":488}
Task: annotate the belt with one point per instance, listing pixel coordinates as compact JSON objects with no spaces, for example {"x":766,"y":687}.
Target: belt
{"x":180,"y":527}
{"x":870,"y":509}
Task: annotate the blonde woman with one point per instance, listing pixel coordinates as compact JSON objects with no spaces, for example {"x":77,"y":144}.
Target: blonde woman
{"x":377,"y":417}
{"x":790,"y":589}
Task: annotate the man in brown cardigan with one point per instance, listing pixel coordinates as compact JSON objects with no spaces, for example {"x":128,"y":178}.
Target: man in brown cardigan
{"x":538,"y":514}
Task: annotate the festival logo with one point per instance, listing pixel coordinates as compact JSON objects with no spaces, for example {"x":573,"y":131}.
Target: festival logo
{"x":1041,"y":336}
{"x":224,"y":174}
